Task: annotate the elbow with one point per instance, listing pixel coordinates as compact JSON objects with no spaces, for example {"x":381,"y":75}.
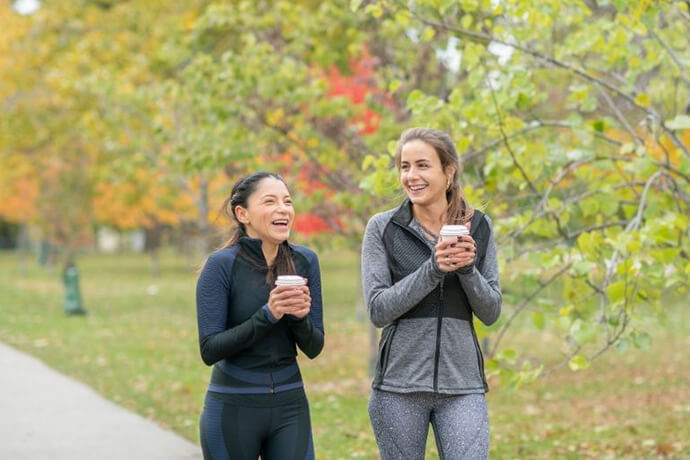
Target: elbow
{"x":494,"y":313}
{"x":207,"y":359}
{"x":316,"y":349}
{"x":376,"y":317}
{"x":207,"y":356}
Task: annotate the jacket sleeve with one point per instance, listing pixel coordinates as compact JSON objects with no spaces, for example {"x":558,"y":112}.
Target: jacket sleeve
{"x":308,"y":331}
{"x":386,"y":301}
{"x":216,"y":342}
{"x":483,"y":288}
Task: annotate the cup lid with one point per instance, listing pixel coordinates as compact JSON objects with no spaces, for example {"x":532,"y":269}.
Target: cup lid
{"x":290,"y":280}
{"x":454,"y":230}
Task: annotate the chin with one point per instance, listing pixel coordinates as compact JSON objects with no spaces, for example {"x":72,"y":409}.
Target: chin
{"x":418,"y":200}
{"x":280,"y":238}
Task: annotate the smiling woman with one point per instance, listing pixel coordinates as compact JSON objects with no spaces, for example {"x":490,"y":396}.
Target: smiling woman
{"x":249,"y":329}
{"x":424,"y":291}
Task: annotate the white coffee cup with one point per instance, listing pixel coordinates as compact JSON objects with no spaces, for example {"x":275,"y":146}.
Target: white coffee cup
{"x":453,"y":231}
{"x":290,"y":280}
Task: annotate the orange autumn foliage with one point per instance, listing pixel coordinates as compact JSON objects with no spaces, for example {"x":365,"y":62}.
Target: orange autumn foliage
{"x":142,"y":202}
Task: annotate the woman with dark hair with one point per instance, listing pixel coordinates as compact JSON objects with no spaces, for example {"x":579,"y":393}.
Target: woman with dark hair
{"x":424,"y":291}
{"x":249,"y":330}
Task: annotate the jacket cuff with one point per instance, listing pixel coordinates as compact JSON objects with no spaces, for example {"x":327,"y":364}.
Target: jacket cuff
{"x":466,"y":270}
{"x":269,"y":316}
{"x":435,"y":268}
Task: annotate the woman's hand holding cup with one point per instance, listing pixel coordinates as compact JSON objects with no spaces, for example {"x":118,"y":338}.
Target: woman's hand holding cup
{"x":455,"y":248}
{"x":290,"y":297}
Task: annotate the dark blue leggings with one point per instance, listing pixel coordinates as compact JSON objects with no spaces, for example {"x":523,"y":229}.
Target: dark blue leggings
{"x":278,"y":429}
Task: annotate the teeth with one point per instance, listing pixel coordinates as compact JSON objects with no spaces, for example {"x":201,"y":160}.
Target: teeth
{"x":417,"y":187}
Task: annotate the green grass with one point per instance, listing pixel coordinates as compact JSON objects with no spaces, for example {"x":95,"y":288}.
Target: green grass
{"x":138,"y":347}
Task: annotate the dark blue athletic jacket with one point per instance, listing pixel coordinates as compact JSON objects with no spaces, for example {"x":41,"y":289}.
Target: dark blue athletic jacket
{"x":252,"y":352}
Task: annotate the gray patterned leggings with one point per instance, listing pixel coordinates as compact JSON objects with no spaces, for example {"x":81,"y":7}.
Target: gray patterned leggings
{"x":401,"y":424}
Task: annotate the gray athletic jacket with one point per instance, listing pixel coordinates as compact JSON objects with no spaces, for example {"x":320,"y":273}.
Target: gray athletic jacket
{"x":428,"y":341}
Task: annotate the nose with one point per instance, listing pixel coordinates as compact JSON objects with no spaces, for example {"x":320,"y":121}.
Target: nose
{"x":411,"y":173}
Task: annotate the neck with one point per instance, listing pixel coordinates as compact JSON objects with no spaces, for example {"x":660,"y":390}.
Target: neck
{"x":432,"y":216}
{"x":269,"y":248}
{"x":270,"y":251}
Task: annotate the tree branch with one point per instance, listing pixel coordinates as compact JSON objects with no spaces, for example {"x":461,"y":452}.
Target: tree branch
{"x":524,"y":305}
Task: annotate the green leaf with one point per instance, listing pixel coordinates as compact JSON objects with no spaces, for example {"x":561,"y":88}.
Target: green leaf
{"x":523,"y":101}
{"x":616,"y":292}
{"x":680,"y":122}
{"x":374,"y":9}
{"x":641,"y":340}
{"x":578,"y":362}
{"x":355,"y":4}
{"x":428,"y":34}
{"x":643,"y":100}
{"x":539,"y":320}
{"x":622,"y":345}
{"x":508,"y":355}
{"x":627,"y":148}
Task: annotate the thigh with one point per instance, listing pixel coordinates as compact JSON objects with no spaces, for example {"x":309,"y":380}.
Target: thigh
{"x":401,"y":423}
{"x":290,"y":434}
{"x":461,"y":427}
{"x":230,"y":432}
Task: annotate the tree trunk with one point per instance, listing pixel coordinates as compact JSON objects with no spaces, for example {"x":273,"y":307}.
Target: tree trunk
{"x":152,"y":245}
{"x":202,"y":220}
{"x":23,"y":247}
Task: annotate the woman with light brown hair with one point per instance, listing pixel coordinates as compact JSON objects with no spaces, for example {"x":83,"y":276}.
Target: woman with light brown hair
{"x":424,"y":291}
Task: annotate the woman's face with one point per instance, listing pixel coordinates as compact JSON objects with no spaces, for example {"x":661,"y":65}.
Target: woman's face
{"x":421,"y":173}
{"x":269,"y":213}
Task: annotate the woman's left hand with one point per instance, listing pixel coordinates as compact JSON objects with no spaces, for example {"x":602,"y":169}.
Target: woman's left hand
{"x":456,"y":255}
{"x":302,"y":309}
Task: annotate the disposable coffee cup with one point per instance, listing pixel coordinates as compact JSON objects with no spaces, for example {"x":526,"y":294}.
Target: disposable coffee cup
{"x":453,"y":232}
{"x":290,"y":280}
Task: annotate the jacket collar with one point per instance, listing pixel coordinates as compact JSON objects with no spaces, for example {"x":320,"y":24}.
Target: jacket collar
{"x":252,"y":247}
{"x":403,"y":216}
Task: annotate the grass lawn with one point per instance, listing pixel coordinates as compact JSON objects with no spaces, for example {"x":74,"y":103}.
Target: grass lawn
{"x":138,"y":347}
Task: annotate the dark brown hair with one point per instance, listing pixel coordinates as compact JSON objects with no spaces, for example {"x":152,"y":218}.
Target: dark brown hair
{"x":239,"y":196}
{"x":459,"y":210}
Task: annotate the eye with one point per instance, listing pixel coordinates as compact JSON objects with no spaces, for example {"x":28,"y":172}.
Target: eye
{"x":404,"y":167}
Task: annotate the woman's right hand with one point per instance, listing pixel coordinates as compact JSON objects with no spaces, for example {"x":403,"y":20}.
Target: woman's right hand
{"x":284,"y":300}
{"x":452,"y":255}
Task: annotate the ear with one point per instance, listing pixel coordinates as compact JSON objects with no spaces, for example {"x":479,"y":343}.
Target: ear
{"x":242,"y":214}
{"x":450,"y":172}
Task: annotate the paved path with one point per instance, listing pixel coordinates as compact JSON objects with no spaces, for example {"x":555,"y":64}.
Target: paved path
{"x":46,"y":415}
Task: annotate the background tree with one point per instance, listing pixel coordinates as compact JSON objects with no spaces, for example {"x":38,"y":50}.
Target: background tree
{"x":571,"y":118}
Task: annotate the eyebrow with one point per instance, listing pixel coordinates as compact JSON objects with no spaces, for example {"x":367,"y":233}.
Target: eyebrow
{"x":271,"y":195}
{"x":416,"y":161}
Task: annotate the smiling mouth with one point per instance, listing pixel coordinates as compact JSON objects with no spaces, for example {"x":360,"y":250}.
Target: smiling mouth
{"x":280,"y":222}
{"x":417,"y":188}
